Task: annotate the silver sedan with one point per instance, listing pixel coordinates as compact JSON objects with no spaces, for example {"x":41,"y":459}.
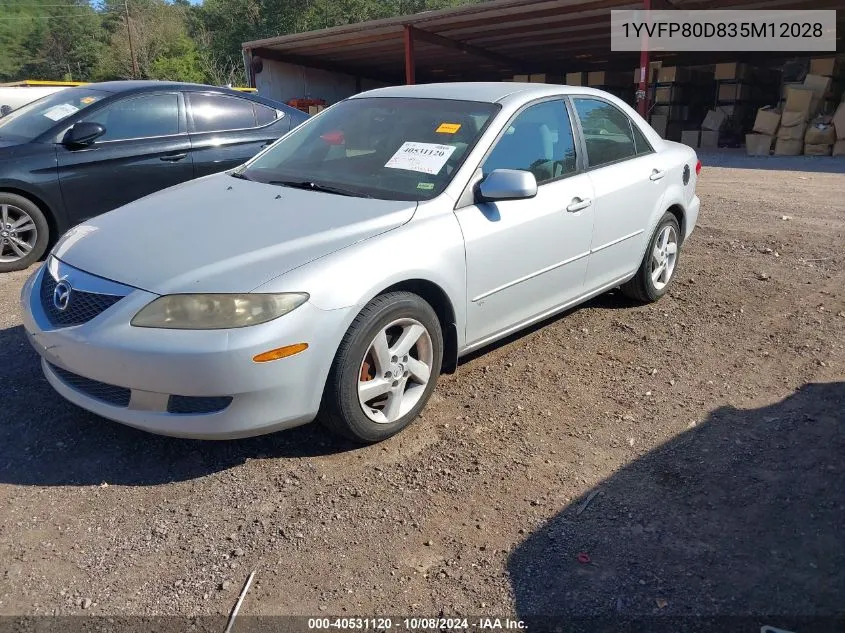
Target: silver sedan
{"x":339,"y":272}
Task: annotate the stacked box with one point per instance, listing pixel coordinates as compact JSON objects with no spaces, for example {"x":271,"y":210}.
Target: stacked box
{"x":820,"y":137}
{"x":766,"y":126}
{"x":759,"y":144}
{"x":680,"y":94}
{"x":576,"y":79}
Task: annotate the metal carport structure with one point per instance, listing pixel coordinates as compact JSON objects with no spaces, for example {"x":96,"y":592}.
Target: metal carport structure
{"x":492,"y":40}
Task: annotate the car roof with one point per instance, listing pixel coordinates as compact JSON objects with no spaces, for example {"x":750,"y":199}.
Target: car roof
{"x":487,"y":92}
{"x":139,"y":85}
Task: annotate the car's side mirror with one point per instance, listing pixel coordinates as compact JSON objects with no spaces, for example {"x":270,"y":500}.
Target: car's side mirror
{"x":507,"y":184}
{"x":83,"y":133}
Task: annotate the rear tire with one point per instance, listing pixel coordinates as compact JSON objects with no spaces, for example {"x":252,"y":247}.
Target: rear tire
{"x":657,"y":270}
{"x":24,"y":232}
{"x":385,"y":369}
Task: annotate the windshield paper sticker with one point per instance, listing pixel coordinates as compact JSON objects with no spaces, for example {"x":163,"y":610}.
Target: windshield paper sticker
{"x":427,"y":186}
{"x":427,"y":158}
{"x":61,"y":111}
{"x":448,"y":128}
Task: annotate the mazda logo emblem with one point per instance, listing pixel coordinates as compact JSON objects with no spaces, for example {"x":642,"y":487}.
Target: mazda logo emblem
{"x":61,"y":295}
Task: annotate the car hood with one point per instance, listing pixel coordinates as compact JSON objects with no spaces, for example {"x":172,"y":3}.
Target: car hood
{"x":222,"y":234}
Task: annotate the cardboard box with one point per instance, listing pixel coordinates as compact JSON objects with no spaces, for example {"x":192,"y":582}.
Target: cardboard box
{"x":839,"y":121}
{"x":819,"y":84}
{"x":828,"y":66}
{"x":672,"y":74}
{"x":605,"y":78}
{"x":817,"y":150}
{"x":691,"y":137}
{"x":791,"y":119}
{"x":820,"y":132}
{"x":759,"y":144}
{"x":545,"y":78}
{"x":714,"y":120}
{"x":674,"y":112}
{"x":653,"y":67}
{"x":314,"y":109}
{"x":799,"y":99}
{"x":734,"y":92}
{"x":669,"y":94}
{"x":732,"y":71}
{"x":523,"y":79}
{"x":788,"y":148}
{"x":575,"y":79}
{"x":792,"y":132}
{"x":839,"y":148}
{"x":709,"y":139}
{"x":767,"y":121}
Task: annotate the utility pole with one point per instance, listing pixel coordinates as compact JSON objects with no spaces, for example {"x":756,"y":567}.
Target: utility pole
{"x":131,"y":47}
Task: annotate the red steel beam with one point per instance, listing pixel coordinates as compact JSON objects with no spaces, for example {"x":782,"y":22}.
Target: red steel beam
{"x":642,"y":88}
{"x":409,"y":56}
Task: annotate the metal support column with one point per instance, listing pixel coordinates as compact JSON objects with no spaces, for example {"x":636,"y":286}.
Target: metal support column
{"x":643,"y":87}
{"x":409,"y":56}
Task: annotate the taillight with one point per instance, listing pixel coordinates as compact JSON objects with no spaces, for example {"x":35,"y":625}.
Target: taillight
{"x":698,"y":168}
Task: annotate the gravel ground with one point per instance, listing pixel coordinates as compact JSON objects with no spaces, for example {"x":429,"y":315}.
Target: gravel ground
{"x":709,"y":426}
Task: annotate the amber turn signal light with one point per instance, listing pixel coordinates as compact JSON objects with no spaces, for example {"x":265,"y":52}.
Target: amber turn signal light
{"x":280,"y":352}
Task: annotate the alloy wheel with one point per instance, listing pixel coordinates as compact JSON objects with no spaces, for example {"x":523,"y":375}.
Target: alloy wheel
{"x":18,"y":233}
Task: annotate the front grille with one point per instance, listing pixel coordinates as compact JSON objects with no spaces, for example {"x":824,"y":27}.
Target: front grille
{"x":81,"y":308}
{"x":110,"y":394}
{"x":193,"y":404}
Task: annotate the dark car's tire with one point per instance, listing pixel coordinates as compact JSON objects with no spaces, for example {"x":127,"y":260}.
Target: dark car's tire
{"x":662,"y":254}
{"x":24,"y":233}
{"x":372,"y":360}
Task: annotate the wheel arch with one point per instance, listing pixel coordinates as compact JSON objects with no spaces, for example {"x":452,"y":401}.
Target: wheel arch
{"x":437,"y":298}
{"x":680,"y":215}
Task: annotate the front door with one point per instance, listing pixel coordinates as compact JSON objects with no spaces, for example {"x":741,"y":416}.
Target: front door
{"x":145,"y":149}
{"x":527,"y":257}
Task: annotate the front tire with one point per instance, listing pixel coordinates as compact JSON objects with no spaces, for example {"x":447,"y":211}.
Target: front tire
{"x":385,"y":369}
{"x":659,"y":263}
{"x":24,"y":232}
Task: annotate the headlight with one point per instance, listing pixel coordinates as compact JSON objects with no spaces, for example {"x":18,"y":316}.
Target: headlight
{"x":216,"y":311}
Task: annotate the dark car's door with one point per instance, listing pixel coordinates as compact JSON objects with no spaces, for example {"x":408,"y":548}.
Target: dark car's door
{"x":145,"y":148}
{"x":227,"y":130}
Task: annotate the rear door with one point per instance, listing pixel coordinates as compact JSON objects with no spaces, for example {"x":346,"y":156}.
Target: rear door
{"x":145,"y":149}
{"x":627,"y":176}
{"x":227,"y":130}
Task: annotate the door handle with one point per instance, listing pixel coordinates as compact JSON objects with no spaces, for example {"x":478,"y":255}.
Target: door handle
{"x":657,"y":174}
{"x":173,"y":157}
{"x":578,"y":204}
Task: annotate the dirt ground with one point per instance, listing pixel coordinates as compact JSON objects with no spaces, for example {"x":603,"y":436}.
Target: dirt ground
{"x":710,"y":427}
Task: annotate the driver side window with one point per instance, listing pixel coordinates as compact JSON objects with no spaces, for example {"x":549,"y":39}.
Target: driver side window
{"x":538,"y":140}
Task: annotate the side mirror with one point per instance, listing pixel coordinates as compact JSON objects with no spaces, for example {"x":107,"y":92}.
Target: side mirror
{"x":507,"y":184}
{"x":83,"y":133}
{"x":4,"y":110}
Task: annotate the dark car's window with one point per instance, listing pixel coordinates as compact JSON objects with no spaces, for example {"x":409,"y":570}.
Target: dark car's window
{"x":216,"y":113}
{"x":538,"y":140}
{"x":33,"y":119}
{"x":144,"y":116}
{"x":264,"y":115}
{"x":395,"y":148}
{"x":607,"y":131}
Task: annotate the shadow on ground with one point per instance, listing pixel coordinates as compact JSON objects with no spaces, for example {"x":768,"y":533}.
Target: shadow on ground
{"x":742,"y":515}
{"x":46,"y":441}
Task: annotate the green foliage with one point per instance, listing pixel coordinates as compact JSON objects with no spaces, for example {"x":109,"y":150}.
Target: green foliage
{"x":174,"y":40}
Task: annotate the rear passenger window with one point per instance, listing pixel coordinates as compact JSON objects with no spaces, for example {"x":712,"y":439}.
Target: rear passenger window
{"x":607,"y":132}
{"x":641,"y":144}
{"x":217,"y":113}
{"x":538,"y":140}
{"x":263,"y":114}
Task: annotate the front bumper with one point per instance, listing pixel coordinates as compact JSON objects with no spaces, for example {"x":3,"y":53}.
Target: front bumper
{"x":154,"y":364}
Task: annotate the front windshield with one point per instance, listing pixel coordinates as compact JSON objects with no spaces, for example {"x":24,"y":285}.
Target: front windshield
{"x":33,"y":119}
{"x":390,"y":148}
